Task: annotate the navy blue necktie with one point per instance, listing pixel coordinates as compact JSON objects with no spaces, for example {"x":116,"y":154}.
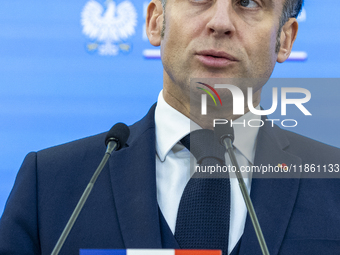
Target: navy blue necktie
{"x":204,"y":211}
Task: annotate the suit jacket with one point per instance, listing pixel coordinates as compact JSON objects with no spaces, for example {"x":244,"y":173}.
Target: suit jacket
{"x":297,"y":216}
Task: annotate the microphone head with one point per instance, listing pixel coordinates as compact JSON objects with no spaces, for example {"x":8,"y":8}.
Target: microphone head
{"x":223,"y":131}
{"x":119,"y":133}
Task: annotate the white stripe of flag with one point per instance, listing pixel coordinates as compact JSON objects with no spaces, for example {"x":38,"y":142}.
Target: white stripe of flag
{"x":149,"y":252}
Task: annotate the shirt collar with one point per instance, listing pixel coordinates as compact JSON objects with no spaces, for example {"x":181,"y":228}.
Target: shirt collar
{"x":246,"y":135}
{"x":172,"y":126}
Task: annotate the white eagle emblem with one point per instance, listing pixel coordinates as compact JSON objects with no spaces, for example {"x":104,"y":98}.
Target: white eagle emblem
{"x":117,"y":23}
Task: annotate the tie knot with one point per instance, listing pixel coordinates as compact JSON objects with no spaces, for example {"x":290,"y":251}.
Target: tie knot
{"x":203,"y":144}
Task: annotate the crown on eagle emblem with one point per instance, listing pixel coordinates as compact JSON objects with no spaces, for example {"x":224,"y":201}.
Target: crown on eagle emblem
{"x":113,"y":25}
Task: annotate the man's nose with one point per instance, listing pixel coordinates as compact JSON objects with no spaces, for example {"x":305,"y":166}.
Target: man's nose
{"x":222,"y":18}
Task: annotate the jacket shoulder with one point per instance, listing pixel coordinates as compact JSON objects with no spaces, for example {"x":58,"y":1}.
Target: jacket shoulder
{"x":310,"y":148}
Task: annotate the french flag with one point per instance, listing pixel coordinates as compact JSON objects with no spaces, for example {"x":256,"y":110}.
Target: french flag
{"x":150,"y":252}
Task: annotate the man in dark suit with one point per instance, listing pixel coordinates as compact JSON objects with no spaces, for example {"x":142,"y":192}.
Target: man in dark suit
{"x":128,"y":207}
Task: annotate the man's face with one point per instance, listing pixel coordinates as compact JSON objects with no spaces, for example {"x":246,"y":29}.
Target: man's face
{"x":219,"y":39}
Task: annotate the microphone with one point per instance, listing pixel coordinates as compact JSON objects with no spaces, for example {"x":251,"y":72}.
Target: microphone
{"x":115,"y":139}
{"x":118,"y":134}
{"x":225,"y":135}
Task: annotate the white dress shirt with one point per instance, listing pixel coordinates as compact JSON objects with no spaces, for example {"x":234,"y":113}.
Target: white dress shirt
{"x":173,"y":165}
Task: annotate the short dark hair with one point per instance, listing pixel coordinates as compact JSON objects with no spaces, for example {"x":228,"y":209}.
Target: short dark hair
{"x":291,"y":9}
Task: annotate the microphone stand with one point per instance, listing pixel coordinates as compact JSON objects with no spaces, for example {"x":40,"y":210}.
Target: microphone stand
{"x":111,"y":146}
{"x":228,"y":144}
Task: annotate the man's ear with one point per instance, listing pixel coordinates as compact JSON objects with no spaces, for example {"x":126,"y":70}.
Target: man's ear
{"x":154,"y":22}
{"x":287,"y":39}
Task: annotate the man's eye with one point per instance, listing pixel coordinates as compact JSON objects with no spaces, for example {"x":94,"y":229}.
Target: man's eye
{"x":248,"y":3}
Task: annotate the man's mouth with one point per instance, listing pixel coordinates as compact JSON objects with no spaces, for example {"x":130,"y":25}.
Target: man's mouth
{"x":217,"y":54}
{"x":213,"y":58}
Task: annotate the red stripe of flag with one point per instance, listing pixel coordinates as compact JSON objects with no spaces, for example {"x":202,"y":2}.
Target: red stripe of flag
{"x":198,"y":252}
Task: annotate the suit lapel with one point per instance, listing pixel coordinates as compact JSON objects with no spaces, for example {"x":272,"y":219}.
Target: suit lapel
{"x":133,"y":177}
{"x":273,"y":199}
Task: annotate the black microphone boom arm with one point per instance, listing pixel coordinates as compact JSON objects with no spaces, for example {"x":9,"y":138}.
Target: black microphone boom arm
{"x":115,"y":139}
{"x":227,"y":142}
